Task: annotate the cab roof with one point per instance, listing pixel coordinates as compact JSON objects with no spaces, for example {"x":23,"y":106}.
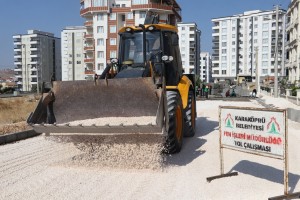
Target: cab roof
{"x":163,"y":27}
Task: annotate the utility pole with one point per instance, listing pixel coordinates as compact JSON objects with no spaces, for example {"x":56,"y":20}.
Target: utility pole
{"x":256,"y":71}
{"x":26,"y":79}
{"x":276,"y":56}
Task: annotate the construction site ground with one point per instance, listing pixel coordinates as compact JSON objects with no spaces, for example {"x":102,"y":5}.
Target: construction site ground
{"x":50,"y":168}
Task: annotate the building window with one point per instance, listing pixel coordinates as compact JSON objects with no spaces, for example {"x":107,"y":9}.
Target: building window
{"x":224,"y":37}
{"x":265,"y":41}
{"x":224,"y":44}
{"x":264,"y":71}
{"x":113,"y":54}
{"x":223,"y":72}
{"x":265,"y":63}
{"x":100,"y":42}
{"x":98,"y":3}
{"x":224,"y":58}
{"x":78,"y":62}
{"x":130,"y":15}
{"x":137,"y":2}
{"x":100,"y":66}
{"x":265,"y":26}
{"x":100,"y":29}
{"x":224,"y":23}
{"x":113,"y":29}
{"x":224,"y":50}
{"x":100,"y":17}
{"x":142,"y":14}
{"x":78,"y":55}
{"x":113,"y":16}
{"x":100,"y":54}
{"x":265,"y":56}
{"x":265,"y":49}
{"x":224,"y":30}
{"x":265,"y":34}
{"x":113,"y":41}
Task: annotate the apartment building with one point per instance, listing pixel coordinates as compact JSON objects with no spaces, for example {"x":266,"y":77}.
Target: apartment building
{"x":244,"y":44}
{"x":37,"y":59}
{"x":189,"y":43}
{"x":205,"y":67}
{"x":73,"y":50}
{"x":105,"y":17}
{"x":292,"y":63}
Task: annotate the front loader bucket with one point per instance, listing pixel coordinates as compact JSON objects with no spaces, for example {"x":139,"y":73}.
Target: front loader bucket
{"x":127,"y":105}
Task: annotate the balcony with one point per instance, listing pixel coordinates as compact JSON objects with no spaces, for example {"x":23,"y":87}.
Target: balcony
{"x":17,"y":42}
{"x":17,"y":62}
{"x":88,"y":23}
{"x":89,"y":60}
{"x":89,"y":36}
{"x":18,"y":55}
{"x":89,"y":48}
{"x":18,"y":69}
{"x":170,"y":8}
{"x":86,"y":72}
{"x":91,"y":10}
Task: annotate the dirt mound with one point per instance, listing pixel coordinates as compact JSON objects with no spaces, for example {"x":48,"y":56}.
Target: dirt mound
{"x":13,"y":128}
{"x":120,"y":152}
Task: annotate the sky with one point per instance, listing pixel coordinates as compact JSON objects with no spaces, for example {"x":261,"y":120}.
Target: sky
{"x":18,"y":16}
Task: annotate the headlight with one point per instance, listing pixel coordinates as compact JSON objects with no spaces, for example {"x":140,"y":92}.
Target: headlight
{"x":128,"y":29}
{"x":114,"y":60}
{"x":165,"y":58}
{"x":151,"y":28}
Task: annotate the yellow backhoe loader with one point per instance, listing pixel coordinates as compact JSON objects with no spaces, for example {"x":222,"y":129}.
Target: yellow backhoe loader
{"x":143,"y":91}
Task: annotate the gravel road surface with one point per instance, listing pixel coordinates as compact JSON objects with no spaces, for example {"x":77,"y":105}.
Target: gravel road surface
{"x":43,"y":169}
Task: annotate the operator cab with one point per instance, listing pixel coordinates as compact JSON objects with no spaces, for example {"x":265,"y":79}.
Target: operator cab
{"x":132,"y":59}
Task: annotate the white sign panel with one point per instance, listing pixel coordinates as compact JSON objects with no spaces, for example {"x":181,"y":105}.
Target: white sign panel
{"x":260,"y":131}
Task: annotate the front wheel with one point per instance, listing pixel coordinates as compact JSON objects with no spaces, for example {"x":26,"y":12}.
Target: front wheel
{"x":190,"y":116}
{"x":175,"y":133}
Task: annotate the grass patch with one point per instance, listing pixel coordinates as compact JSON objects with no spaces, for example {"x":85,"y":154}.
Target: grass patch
{"x":14,"y":113}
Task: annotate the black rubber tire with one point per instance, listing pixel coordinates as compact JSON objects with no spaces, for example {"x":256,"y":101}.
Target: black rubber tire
{"x":175,"y":133}
{"x":190,"y":116}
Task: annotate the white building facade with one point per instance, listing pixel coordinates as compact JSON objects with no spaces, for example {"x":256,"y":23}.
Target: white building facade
{"x":293,"y":42}
{"x":73,"y":51}
{"x":205,"y":67}
{"x":105,"y":17}
{"x":245,"y":44}
{"x":189,"y":43}
{"x":37,"y":59}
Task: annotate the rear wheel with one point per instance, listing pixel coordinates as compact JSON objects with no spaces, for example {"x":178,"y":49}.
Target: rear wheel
{"x":190,"y":116}
{"x":175,"y":132}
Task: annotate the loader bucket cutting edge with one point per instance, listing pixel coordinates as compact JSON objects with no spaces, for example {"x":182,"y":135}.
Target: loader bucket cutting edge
{"x":113,"y":100}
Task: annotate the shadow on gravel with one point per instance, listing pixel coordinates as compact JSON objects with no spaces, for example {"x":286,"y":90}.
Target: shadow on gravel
{"x":265,"y":172}
{"x":205,"y":126}
{"x":191,"y":148}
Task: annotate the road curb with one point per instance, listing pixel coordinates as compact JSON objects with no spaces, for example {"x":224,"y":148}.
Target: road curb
{"x":13,"y":137}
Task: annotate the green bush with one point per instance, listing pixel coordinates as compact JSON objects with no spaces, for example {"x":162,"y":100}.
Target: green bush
{"x":294,"y":90}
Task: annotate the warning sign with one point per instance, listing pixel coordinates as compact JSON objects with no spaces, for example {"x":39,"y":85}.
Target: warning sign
{"x":260,"y":131}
